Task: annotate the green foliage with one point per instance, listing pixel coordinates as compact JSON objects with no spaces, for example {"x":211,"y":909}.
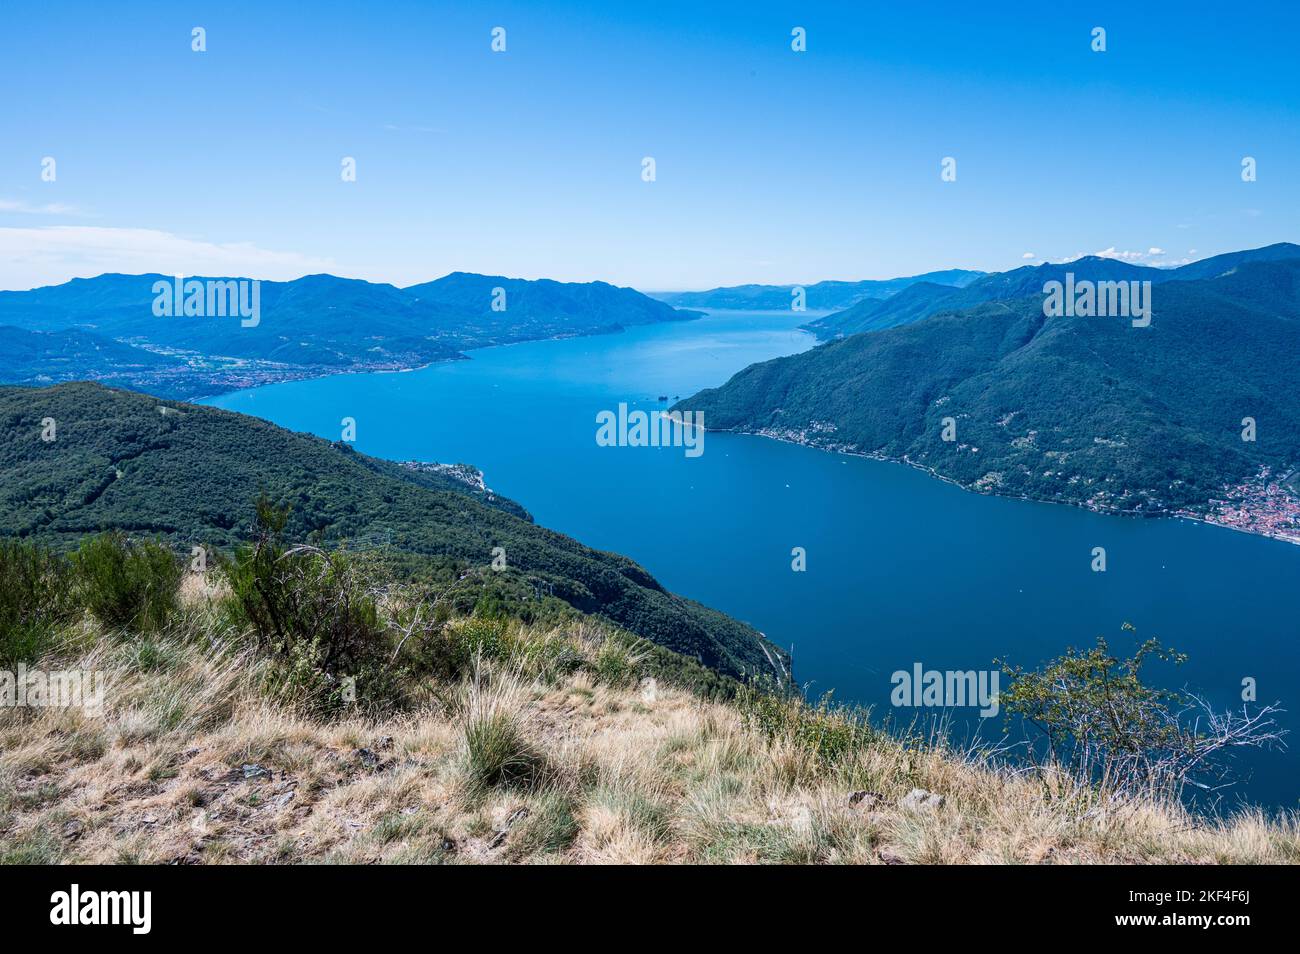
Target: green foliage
{"x":1099,"y":722}
{"x":551,"y":826}
{"x":617,"y":663}
{"x":1071,"y":409}
{"x":497,"y":753}
{"x":186,"y":473}
{"x":126,"y":583}
{"x":35,"y":599}
{"x":825,"y":731}
{"x":311,"y":611}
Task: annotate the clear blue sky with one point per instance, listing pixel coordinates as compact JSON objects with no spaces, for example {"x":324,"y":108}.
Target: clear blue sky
{"x":773,"y":166}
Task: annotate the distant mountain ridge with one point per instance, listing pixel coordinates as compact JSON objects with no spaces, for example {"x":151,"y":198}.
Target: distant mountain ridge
{"x":920,"y":302}
{"x":317,"y":324}
{"x":1080,"y":410}
{"x":819,"y":296}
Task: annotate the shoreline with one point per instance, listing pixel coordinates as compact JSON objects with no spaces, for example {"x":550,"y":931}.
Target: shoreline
{"x":931,"y":472}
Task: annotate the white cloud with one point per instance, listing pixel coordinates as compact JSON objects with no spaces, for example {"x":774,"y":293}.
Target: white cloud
{"x":1146,"y":258}
{"x":1028,"y":255}
{"x":1121,"y":256}
{"x":52,"y":254}
{"x":49,"y":208}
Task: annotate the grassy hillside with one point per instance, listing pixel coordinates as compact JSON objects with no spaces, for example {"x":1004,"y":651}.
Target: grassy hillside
{"x":1081,"y":410}
{"x":190,"y":474}
{"x":528,"y":745}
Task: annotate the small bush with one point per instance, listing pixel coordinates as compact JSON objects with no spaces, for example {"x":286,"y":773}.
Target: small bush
{"x":484,"y":637}
{"x":35,"y":599}
{"x":826,"y":731}
{"x":451,"y":651}
{"x":616,"y":663}
{"x":127,"y":584}
{"x":1099,"y":723}
{"x":313,"y":613}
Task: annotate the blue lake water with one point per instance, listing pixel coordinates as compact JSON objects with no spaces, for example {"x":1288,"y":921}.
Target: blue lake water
{"x":901,"y":568}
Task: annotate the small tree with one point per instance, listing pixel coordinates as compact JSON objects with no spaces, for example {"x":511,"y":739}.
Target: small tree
{"x":131,"y":584}
{"x":1101,"y":724}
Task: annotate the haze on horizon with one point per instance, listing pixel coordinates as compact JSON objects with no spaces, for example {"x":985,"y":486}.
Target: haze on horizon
{"x":771,"y":166}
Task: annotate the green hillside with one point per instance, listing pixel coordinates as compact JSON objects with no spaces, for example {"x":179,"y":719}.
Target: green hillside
{"x":191,"y":474}
{"x":1072,"y":409}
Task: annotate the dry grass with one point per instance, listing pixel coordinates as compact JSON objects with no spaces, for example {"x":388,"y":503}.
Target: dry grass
{"x":190,"y":763}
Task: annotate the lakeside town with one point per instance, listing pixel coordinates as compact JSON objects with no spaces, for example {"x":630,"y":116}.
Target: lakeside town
{"x":1265,"y":504}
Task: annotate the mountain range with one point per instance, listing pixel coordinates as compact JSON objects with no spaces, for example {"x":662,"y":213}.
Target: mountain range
{"x":318,"y":324}
{"x":922,"y":299}
{"x":818,"y":297}
{"x":1084,"y":410}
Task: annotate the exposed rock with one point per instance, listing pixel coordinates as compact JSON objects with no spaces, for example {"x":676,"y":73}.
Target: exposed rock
{"x":649,"y":691}
{"x":368,"y":758}
{"x":253,"y":771}
{"x":918,"y":799}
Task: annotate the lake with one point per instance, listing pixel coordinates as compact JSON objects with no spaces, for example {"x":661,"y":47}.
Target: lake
{"x":901,"y":569}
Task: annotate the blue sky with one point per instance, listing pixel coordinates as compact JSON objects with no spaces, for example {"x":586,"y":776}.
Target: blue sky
{"x":772,"y":166}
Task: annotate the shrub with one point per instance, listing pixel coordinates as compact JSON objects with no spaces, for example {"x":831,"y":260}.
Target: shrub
{"x":480,"y":636}
{"x":128,"y":584}
{"x":313,"y":613}
{"x":35,"y":599}
{"x":1100,"y":724}
{"x":451,"y":651}
{"x":616,"y":663}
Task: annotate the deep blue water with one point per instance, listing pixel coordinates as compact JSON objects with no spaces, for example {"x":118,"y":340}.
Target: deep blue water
{"x":901,"y":568}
